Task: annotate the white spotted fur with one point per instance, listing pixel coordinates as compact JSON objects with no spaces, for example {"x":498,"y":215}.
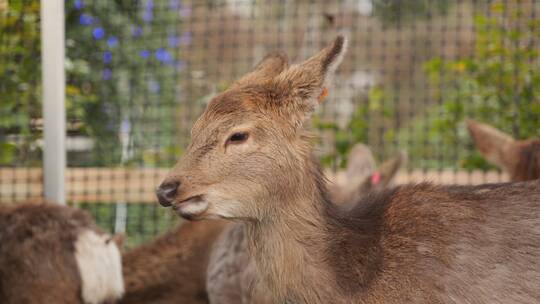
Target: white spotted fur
{"x":100,"y":267}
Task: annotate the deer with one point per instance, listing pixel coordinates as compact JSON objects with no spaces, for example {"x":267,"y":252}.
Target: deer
{"x":520,"y":158}
{"x":231,"y":272}
{"x":51,"y":253}
{"x":362,"y":176}
{"x":250,"y":160}
{"x":172,"y":267}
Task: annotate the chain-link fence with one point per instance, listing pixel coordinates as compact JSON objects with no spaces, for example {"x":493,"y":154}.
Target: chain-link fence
{"x":140,"y":72}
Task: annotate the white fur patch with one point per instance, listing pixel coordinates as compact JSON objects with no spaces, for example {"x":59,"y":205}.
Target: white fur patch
{"x":100,"y":267}
{"x":194,"y":207}
{"x":223,"y":206}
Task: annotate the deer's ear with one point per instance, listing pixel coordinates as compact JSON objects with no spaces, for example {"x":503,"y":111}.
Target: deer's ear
{"x":304,"y":83}
{"x":493,"y":144}
{"x":389,"y":169}
{"x":268,"y":68}
{"x":360,"y":163}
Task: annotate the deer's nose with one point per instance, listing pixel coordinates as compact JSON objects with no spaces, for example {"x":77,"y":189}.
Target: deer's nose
{"x":166,"y":192}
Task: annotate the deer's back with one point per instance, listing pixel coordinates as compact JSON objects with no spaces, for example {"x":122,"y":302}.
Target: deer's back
{"x":444,"y":245}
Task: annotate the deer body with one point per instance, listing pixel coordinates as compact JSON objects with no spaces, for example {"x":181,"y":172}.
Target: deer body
{"x":250,"y":160}
{"x":172,"y":268}
{"x":56,"y":254}
{"x":419,"y":244}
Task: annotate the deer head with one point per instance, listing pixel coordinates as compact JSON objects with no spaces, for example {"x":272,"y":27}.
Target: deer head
{"x":249,"y":149}
{"x":363,"y":176}
{"x":496,"y":146}
{"x":520,"y":158}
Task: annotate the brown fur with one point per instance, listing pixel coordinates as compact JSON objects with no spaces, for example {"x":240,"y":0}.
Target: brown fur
{"x":472,"y":244}
{"x":412,"y":244}
{"x":172,"y":268}
{"x":231,"y":271}
{"x":520,"y":158}
{"x":37,"y":262}
{"x":528,"y":165}
{"x":232,"y":277}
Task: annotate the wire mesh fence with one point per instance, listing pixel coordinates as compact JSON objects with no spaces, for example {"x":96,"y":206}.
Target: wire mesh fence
{"x":140,"y":72}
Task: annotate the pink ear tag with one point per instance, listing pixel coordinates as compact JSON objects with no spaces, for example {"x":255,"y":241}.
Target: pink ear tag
{"x":375,"y":178}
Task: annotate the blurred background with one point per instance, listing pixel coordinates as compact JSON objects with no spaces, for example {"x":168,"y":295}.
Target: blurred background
{"x":138,"y":73}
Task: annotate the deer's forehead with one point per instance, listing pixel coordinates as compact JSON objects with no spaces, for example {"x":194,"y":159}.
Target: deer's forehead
{"x":210,"y":127}
{"x":245,"y":99}
{"x":226,"y":103}
{"x":213,"y":125}
{"x":234,"y":106}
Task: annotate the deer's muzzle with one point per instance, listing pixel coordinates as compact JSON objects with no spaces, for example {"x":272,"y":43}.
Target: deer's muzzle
{"x":166,"y":192}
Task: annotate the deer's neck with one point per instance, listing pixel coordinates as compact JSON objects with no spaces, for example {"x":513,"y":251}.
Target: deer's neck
{"x":289,"y":255}
{"x":290,"y":248}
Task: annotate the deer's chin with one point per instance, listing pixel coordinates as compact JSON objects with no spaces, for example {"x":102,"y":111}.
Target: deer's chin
{"x":191,"y":209}
{"x":222,"y":206}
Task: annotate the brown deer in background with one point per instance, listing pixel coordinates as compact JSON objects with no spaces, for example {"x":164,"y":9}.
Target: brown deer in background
{"x":250,"y":160}
{"x":520,"y":158}
{"x":56,"y":254}
{"x":172,"y":268}
{"x":362,"y":176}
{"x":231,"y":271}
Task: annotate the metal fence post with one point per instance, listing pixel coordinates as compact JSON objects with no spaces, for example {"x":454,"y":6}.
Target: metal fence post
{"x":54,"y":112}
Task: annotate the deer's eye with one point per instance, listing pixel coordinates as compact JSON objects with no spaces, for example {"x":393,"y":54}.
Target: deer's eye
{"x":238,"y":138}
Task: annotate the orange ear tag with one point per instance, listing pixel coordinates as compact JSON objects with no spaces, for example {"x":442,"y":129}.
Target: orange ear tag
{"x":323,"y":95}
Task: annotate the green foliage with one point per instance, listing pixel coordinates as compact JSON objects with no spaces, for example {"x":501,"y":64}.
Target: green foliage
{"x":122,"y":78}
{"x":499,"y":84}
{"x":144,"y":221}
{"x":20,"y":86}
{"x":120,"y":66}
{"x":344,"y":138}
{"x":357,"y":129}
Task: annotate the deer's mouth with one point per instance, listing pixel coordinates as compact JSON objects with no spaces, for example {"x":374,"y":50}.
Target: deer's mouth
{"x":191,"y":208}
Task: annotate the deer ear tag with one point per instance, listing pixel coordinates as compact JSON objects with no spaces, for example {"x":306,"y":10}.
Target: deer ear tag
{"x":323,"y":95}
{"x":375,"y":178}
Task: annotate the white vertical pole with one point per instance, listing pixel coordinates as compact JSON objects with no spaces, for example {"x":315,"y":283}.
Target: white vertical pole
{"x":54,"y":112}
